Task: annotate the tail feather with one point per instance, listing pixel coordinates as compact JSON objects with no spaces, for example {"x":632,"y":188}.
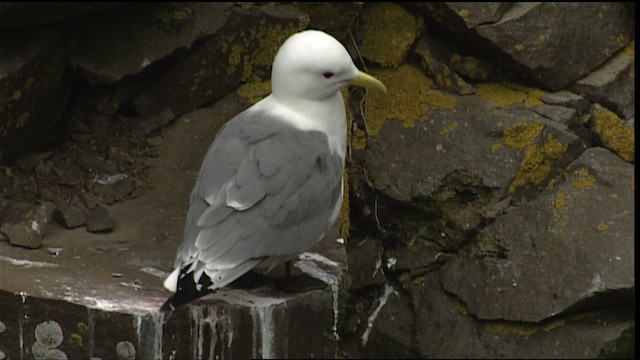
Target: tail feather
{"x":187,"y":290}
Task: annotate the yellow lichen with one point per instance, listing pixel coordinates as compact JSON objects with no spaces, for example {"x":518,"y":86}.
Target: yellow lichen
{"x":602,"y":226}
{"x":409,"y":99}
{"x":254,"y":91}
{"x":388,"y":31}
{"x":472,"y":66}
{"x":504,"y":327}
{"x":16,"y":95}
{"x":630,"y":49}
{"x":504,"y":95}
{"x":519,"y":47}
{"x":538,"y":159}
{"x":496,"y":147}
{"x":520,"y":136}
{"x":464,"y":13}
{"x":581,"y":179}
{"x":358,"y":139}
{"x":452,"y":127}
{"x":76,"y":340}
{"x":560,"y":200}
{"x":614,"y":133}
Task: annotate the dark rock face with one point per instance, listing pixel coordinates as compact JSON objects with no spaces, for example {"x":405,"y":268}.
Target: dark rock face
{"x":34,"y":85}
{"x":242,"y":51}
{"x":107,"y":46}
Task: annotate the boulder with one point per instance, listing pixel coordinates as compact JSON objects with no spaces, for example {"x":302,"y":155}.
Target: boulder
{"x":572,"y":247}
{"x":585,"y":42}
{"x":612,"y":84}
{"x":107,"y":46}
{"x":242,"y":51}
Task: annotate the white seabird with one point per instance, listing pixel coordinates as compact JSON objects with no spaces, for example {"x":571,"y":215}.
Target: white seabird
{"x":270,"y":185}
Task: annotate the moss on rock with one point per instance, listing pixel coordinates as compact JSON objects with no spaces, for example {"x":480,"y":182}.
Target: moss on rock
{"x":614,"y":133}
{"x":388,"y":32}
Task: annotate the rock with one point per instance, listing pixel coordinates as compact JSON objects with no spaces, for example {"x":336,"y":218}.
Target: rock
{"x":457,"y":18}
{"x":444,"y":328}
{"x":100,"y":220}
{"x":584,"y":43}
{"x":612,"y":84}
{"x":514,"y":270}
{"x":561,"y":114}
{"x":114,"y":192}
{"x":24,"y":224}
{"x":410,"y":159}
{"x":365,"y":263}
{"x":390,"y":326}
{"x":28,"y":14}
{"x":567,"y":99}
{"x":70,"y":216}
{"x":34,"y":86}
{"x":243,"y":50}
{"x":614,"y":133}
{"x":93,"y":164}
{"x":71,"y":175}
{"x":434,"y":58}
{"x":334,"y":18}
{"x":29,"y":162}
{"x":134,"y":37}
{"x":388,"y":32}
{"x":145,"y":125}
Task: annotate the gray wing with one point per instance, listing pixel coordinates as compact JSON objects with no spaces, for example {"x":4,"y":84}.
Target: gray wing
{"x":264,"y":189}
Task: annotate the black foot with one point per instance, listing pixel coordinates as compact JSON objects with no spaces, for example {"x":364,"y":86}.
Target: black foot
{"x":250,"y":280}
{"x":298,"y":283}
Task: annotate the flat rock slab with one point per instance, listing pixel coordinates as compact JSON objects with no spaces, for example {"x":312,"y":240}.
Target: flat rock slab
{"x":517,"y":270}
{"x":98,"y":295}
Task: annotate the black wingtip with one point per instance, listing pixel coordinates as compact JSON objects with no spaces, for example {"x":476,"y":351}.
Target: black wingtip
{"x":187,"y":290}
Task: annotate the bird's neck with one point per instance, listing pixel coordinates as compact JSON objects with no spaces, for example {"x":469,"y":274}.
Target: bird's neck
{"x":327,"y":115}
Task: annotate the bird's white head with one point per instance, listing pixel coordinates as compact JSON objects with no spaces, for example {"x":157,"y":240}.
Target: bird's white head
{"x":313,"y":65}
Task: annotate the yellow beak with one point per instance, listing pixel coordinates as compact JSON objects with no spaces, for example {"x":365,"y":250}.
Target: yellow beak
{"x":368,"y":81}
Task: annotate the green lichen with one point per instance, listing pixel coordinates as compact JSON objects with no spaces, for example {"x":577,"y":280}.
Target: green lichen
{"x":411,"y":96}
{"x":614,"y":133}
{"x":388,"y":31}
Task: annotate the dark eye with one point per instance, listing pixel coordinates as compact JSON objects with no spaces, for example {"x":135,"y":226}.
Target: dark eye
{"x":327,"y":74}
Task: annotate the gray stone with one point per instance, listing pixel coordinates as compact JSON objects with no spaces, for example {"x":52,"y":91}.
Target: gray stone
{"x":392,"y":324}
{"x":561,"y":114}
{"x":458,"y":18}
{"x":145,"y":125}
{"x":434,"y":58}
{"x":132,"y":38}
{"x":570,"y":247}
{"x":585,"y":42}
{"x":365,"y":263}
{"x":612,"y":84}
{"x":508,"y":150}
{"x":567,"y":99}
{"x":100,"y":220}
{"x":34,"y":86}
{"x":444,"y":328}
{"x":242,"y":51}
{"x":70,"y":216}
{"x":24,"y":224}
